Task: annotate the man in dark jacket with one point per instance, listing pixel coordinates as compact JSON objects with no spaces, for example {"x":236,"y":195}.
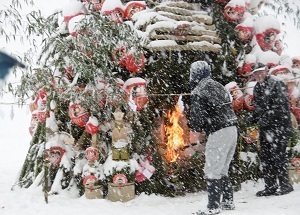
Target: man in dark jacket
{"x":211,"y":112}
{"x":272,"y":114}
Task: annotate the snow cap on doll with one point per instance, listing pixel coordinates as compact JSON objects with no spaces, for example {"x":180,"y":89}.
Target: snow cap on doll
{"x":198,"y":71}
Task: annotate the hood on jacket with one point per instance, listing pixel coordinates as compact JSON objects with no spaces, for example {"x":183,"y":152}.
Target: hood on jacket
{"x":198,"y":71}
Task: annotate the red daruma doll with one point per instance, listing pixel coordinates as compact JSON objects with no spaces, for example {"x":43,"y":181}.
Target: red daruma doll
{"x":91,"y":154}
{"x":248,"y":98}
{"x":133,"y":7}
{"x":234,"y":10}
{"x":136,"y":93}
{"x":237,"y":95}
{"x":266,"y":28}
{"x":245,"y":30}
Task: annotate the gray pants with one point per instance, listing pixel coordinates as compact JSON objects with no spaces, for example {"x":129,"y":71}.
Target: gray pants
{"x":220,"y":148}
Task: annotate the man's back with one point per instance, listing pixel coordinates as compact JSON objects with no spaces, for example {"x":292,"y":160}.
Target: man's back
{"x":211,"y":106}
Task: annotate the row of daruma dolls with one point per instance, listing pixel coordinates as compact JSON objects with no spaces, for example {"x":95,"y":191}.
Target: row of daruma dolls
{"x":75,"y":11}
{"x":290,"y":75}
{"x":260,"y":33}
{"x":135,"y":94}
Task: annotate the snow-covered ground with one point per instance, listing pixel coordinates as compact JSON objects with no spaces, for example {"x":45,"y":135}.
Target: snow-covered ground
{"x":14,"y":144}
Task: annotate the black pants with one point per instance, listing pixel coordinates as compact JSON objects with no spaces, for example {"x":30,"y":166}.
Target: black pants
{"x":273,"y":144}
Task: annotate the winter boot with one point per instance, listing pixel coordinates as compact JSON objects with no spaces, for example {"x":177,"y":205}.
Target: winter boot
{"x":270,"y":186}
{"x":227,"y":191}
{"x":285,"y":186}
{"x":214,"y":196}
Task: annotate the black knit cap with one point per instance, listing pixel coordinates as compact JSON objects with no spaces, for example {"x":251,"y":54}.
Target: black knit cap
{"x":198,"y":71}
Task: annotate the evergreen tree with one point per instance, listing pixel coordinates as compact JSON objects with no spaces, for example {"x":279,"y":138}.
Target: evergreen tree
{"x":84,"y":58}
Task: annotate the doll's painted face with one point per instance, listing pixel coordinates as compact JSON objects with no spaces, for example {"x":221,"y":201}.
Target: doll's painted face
{"x":244,"y":34}
{"x":233,"y":13}
{"x":296,"y":64}
{"x":270,"y":37}
{"x":118,"y":115}
{"x":54,"y":157}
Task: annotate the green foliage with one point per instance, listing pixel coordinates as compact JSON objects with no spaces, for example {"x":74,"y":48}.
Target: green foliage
{"x":34,"y":161}
{"x":89,"y":54}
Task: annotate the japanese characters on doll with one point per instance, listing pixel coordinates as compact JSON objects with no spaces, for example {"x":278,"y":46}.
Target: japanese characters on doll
{"x":234,"y":10}
{"x":114,"y":10}
{"x":267,"y":28}
{"x":133,"y":7}
{"x":119,"y":137}
{"x":78,"y":114}
{"x":237,"y":95}
{"x":136,"y":93}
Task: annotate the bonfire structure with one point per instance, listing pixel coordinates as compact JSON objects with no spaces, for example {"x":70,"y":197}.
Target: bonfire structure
{"x":110,"y":107}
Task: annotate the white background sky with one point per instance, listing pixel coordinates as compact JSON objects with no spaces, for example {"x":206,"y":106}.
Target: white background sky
{"x":14,"y":143}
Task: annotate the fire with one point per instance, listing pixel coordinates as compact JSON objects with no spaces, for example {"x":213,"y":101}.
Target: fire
{"x":174,"y":134}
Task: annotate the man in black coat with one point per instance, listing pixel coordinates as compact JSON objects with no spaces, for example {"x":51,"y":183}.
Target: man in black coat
{"x":211,"y":112}
{"x":272,"y":114}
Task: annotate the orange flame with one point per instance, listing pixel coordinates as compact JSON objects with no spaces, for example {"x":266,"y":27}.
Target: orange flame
{"x":174,"y":134}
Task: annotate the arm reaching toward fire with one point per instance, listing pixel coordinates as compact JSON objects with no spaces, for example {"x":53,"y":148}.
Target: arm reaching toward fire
{"x":197,"y":136}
